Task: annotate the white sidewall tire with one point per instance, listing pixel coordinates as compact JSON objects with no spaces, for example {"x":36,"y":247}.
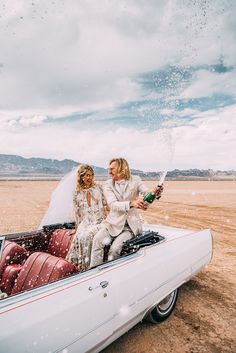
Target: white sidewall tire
{"x":163,"y":309}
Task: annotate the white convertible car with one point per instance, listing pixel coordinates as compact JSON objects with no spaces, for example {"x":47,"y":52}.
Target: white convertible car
{"x":49,"y":306}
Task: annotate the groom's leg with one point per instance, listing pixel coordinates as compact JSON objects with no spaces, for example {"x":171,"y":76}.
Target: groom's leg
{"x":117,"y":244}
{"x":100,"y":240}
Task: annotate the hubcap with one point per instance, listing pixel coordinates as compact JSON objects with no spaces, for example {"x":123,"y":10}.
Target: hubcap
{"x":166,"y":302}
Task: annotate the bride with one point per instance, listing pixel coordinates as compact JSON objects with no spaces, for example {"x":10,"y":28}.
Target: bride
{"x":78,"y":199}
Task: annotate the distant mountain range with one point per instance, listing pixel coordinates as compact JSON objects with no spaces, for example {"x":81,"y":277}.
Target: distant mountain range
{"x":16,"y":166}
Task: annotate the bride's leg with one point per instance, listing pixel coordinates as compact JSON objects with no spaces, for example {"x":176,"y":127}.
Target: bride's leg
{"x":72,"y":253}
{"x":85,"y":242}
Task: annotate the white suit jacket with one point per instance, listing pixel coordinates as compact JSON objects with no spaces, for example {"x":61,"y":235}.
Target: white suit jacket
{"x":117,"y":216}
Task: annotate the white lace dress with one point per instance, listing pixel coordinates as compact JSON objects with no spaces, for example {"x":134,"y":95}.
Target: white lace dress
{"x":89,"y":208}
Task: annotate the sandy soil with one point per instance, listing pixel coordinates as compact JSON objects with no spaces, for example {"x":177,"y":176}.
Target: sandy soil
{"x":204,"y":318}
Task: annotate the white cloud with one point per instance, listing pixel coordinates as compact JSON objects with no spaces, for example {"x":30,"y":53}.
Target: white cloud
{"x":59,"y":58}
{"x":32,"y":120}
{"x":68,"y":53}
{"x":167,"y":111}
{"x":207,"y":83}
{"x":188,"y":112}
{"x":208,"y":142}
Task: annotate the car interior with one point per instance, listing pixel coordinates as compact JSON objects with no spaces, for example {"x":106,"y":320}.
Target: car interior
{"x":33,"y":259}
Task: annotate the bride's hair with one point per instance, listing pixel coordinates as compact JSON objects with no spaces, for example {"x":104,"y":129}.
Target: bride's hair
{"x":83,"y":169}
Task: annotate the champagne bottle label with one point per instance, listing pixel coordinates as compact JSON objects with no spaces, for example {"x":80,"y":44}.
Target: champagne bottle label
{"x":150,"y":197}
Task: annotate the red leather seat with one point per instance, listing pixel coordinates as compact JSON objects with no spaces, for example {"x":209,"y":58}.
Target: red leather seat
{"x":12,"y":254}
{"x":41,"y":268}
{"x":8,"y":277}
{"x":60,"y":242}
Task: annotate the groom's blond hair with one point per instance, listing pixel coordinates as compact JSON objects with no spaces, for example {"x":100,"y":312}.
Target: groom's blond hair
{"x":123,"y":167}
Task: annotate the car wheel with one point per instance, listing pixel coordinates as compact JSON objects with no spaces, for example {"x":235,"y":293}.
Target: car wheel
{"x":163,"y":309}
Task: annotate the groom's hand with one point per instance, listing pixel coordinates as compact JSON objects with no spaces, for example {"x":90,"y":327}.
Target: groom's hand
{"x":158,"y":191}
{"x":138,"y":203}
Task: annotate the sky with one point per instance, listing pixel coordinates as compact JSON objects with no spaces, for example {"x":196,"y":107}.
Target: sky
{"x":149,"y":80}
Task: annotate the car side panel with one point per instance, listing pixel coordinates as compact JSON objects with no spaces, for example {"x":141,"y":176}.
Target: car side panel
{"x":79,"y":315}
{"x":70,"y":315}
{"x":156,"y":272}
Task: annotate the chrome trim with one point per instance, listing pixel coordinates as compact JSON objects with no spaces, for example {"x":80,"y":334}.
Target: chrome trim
{"x":115,"y":262}
{"x":102,"y":284}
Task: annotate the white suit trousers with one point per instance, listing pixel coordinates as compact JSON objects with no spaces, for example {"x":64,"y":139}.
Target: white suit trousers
{"x":103,"y":238}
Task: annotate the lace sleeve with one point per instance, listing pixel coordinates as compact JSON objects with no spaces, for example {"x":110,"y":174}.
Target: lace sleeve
{"x":75,"y":208}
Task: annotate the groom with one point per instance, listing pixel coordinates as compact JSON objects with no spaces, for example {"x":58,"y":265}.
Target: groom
{"x":122,"y":193}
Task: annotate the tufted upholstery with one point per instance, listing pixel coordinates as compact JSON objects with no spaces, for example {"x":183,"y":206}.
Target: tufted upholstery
{"x":12,"y":254}
{"x":41,"y":268}
{"x":60,"y":242}
{"x":8,"y":277}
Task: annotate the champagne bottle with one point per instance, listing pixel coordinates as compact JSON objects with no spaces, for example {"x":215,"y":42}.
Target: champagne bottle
{"x":150,"y":197}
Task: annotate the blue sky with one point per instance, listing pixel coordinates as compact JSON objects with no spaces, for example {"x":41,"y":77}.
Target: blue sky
{"x":152,"y":81}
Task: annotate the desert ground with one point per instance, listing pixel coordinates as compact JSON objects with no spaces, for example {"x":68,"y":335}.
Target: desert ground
{"x":204,"y":318}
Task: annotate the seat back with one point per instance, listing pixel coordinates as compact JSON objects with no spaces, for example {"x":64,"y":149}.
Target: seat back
{"x":60,"y":242}
{"x":8,"y":277}
{"x":12,"y":254}
{"x":41,"y":268}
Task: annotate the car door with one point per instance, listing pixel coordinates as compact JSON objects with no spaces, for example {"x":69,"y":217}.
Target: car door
{"x":132,"y":288}
{"x":145,"y":278}
{"x":138,"y":282}
{"x":75,"y":314}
